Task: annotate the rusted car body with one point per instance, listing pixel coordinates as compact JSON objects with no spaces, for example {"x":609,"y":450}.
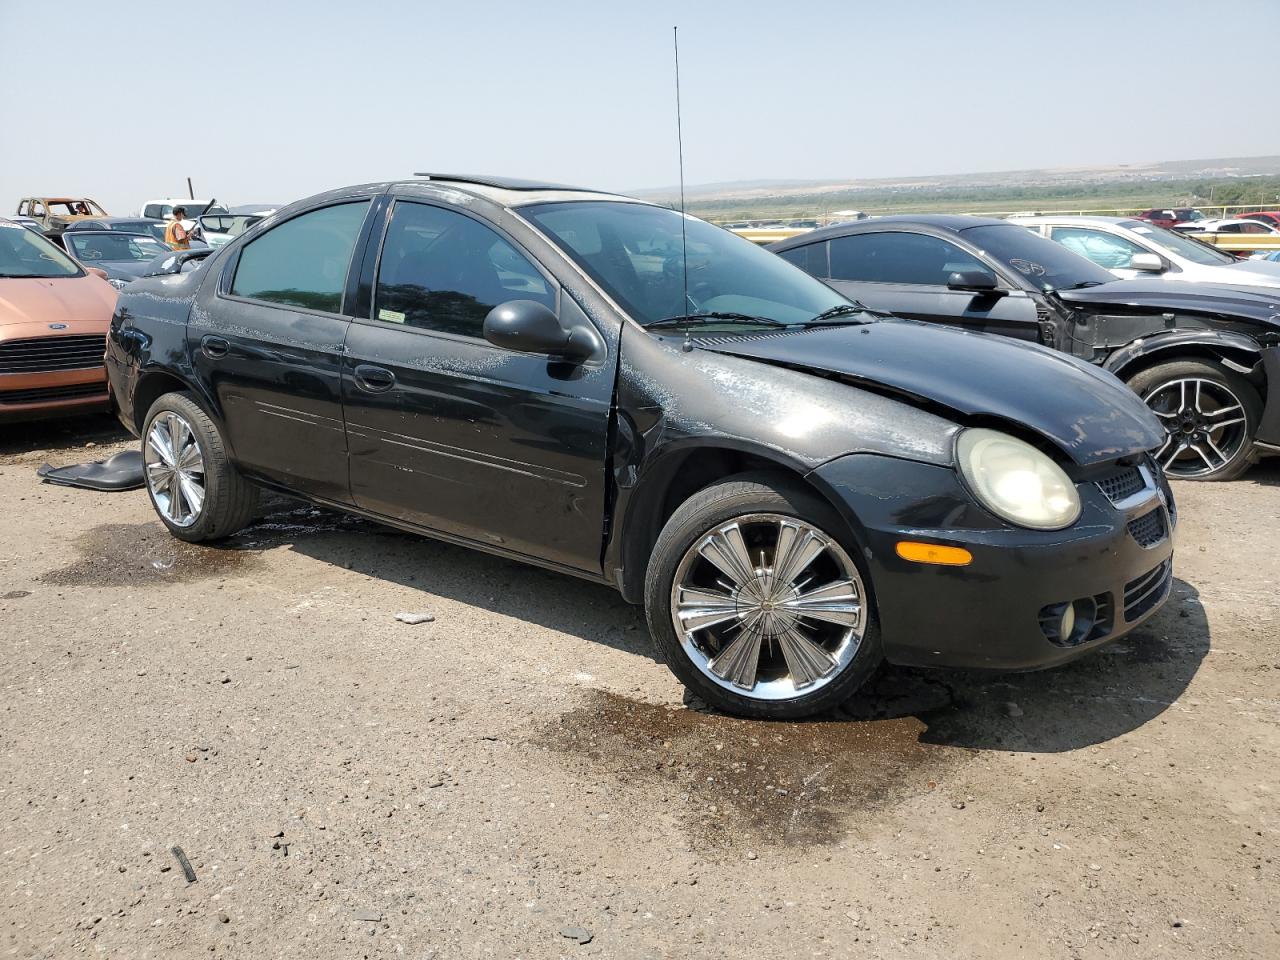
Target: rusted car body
{"x":54,"y":316}
{"x":54,"y":214}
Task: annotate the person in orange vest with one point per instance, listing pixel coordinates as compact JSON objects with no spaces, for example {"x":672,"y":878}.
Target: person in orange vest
{"x":175,"y":234}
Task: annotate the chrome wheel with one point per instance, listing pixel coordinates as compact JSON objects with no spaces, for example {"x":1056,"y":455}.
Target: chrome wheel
{"x":175,"y":469}
{"x":768,"y":606}
{"x":1205,"y":425}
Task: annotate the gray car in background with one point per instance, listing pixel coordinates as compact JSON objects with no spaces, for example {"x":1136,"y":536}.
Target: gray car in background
{"x":124,"y":256}
{"x":1134,"y":248}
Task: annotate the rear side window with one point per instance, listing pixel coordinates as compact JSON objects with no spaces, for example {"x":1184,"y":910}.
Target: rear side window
{"x":154,"y":211}
{"x":898,"y":258}
{"x":304,"y":261}
{"x":811,"y":258}
{"x":444,"y":271}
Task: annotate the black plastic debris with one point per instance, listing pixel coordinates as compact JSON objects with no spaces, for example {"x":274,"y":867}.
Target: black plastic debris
{"x":124,"y":471}
{"x":184,"y":863}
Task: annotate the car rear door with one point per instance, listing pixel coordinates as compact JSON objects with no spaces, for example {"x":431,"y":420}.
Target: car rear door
{"x":450,"y":432}
{"x":267,"y":339}
{"x":906,"y":273}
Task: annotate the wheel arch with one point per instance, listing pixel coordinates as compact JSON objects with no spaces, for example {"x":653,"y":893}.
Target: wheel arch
{"x":1215,"y":345}
{"x":155,"y":383}
{"x":679,"y":474}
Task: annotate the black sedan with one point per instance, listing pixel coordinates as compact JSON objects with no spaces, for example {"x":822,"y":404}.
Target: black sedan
{"x":795,"y":488}
{"x":1201,"y":356}
{"x":124,"y":256}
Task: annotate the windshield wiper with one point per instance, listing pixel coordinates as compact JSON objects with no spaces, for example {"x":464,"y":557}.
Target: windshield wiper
{"x":839,"y":310}
{"x":712,"y":318}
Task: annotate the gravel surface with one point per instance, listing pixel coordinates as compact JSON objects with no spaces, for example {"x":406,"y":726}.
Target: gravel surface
{"x":365,"y":744}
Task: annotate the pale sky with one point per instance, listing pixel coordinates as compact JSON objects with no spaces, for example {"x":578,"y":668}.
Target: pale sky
{"x":272,"y":100}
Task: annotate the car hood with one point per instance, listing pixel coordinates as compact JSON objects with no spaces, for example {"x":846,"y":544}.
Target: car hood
{"x":1086,"y":412}
{"x":1252,"y":272}
{"x":124,"y":269}
{"x":55,"y":299}
{"x":1157,"y":296}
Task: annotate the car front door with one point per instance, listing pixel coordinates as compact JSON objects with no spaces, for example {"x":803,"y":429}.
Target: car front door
{"x":452,"y":433}
{"x":267,"y":338}
{"x":907,"y":273}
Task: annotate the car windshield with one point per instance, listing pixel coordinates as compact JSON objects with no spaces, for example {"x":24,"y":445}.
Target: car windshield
{"x":114,"y":247}
{"x":1046,"y":264}
{"x":196,"y":208}
{"x":24,"y":253}
{"x":1179,"y":243}
{"x":634,"y":252}
{"x":230,"y":224}
{"x":75,"y":208}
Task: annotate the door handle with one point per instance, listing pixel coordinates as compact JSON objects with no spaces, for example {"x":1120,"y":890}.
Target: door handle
{"x":374,"y":379}
{"x":214,"y":347}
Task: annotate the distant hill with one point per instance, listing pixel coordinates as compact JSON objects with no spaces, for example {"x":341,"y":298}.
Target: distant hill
{"x":1118,"y":173}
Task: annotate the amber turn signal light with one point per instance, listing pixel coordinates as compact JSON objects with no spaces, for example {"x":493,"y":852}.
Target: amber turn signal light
{"x":934,"y":553}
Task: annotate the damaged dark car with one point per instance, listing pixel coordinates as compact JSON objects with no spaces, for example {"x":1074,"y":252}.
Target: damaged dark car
{"x":794,"y":487}
{"x":1204,"y":357}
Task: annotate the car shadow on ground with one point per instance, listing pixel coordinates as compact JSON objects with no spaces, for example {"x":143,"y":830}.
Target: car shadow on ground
{"x":60,"y":434}
{"x":1101,"y":696}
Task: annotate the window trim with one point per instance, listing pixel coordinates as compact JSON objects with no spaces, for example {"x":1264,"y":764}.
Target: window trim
{"x":994,"y":266}
{"x":551,"y":282}
{"x":227,"y":278}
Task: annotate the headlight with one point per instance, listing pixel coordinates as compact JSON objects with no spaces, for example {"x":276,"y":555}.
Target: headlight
{"x":1016,"y":481}
{"x":118,"y":284}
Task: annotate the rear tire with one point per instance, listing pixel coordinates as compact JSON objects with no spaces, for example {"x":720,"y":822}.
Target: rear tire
{"x":195,"y":489}
{"x":788,"y":638}
{"x":1209,"y":413}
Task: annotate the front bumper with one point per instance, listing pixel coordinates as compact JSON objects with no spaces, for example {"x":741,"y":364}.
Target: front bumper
{"x":989,"y":613}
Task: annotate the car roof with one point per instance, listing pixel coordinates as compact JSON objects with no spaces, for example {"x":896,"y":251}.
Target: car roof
{"x":513,"y":192}
{"x":1069,"y":218}
{"x":949,"y":222}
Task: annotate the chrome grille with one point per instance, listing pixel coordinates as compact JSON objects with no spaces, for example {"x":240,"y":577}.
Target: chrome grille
{"x":43,"y":354}
{"x":1149,"y":529}
{"x":1142,"y":595}
{"x":1122,"y":483}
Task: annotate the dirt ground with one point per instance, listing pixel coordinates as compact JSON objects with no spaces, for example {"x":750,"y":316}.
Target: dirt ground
{"x":520,"y":778}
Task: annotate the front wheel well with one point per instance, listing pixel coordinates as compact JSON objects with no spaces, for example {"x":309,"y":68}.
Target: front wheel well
{"x":672,"y":483}
{"x":1246,"y":362}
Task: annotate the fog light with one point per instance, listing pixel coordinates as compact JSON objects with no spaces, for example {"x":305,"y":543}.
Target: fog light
{"x":1067,"y":622}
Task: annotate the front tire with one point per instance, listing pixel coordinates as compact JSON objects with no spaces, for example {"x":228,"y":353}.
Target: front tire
{"x":757,"y":605}
{"x":196,"y":491}
{"x":1209,"y":413}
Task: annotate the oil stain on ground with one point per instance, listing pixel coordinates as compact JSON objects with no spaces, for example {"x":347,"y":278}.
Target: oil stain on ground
{"x":752,"y":783}
{"x":134,"y":554}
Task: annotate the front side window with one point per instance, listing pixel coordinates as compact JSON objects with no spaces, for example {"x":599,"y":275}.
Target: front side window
{"x":113,"y":247}
{"x":895,"y":257}
{"x":811,"y":258}
{"x":444,"y":271}
{"x":24,"y":253}
{"x":303,"y":262}
{"x":1104,"y":249}
{"x":636,"y":253}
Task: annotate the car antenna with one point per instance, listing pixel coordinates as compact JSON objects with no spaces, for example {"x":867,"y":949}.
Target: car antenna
{"x":684,"y":244}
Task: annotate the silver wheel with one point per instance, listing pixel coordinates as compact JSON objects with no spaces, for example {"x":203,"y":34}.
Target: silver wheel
{"x":768,"y":606}
{"x":175,"y":469}
{"x":1205,"y":425}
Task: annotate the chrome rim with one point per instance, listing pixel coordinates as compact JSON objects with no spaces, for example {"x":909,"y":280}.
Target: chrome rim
{"x":768,"y":606}
{"x":175,"y":469}
{"x":1204,"y":423}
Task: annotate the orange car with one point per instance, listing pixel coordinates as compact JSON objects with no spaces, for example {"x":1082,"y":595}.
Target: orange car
{"x":54,"y":316}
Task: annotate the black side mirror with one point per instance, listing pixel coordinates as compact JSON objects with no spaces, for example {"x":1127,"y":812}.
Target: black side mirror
{"x":977,"y":281}
{"x":532,"y":327}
